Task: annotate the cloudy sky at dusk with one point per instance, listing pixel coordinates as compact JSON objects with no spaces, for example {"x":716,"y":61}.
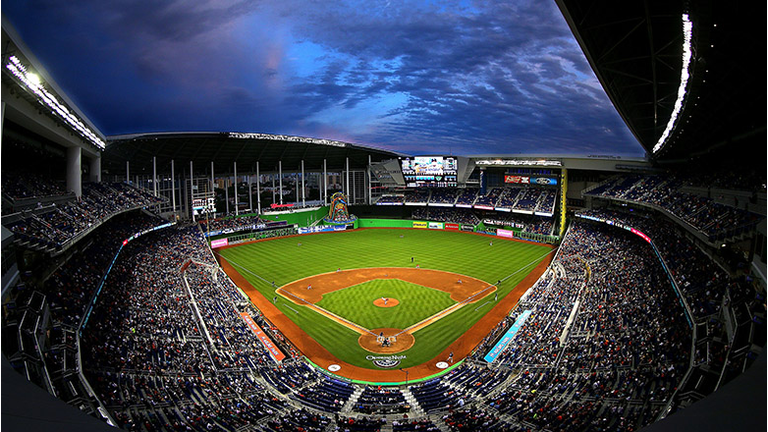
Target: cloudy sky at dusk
{"x":466,"y":77}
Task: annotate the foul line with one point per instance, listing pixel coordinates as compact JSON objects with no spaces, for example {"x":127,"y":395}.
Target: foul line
{"x":424,"y":323}
{"x":346,"y":323}
{"x":410,"y":330}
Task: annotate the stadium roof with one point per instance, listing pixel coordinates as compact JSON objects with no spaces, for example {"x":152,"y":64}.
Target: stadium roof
{"x":636,"y":51}
{"x":224,"y":148}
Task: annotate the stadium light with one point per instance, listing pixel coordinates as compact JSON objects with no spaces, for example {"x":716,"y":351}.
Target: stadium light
{"x":32,"y":81}
{"x":682,"y":89}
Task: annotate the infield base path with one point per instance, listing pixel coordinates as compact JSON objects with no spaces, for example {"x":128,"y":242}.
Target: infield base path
{"x":461,"y":348}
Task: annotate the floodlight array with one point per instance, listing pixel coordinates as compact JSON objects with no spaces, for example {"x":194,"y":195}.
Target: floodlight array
{"x":682,"y":89}
{"x":241,"y":135}
{"x":518,"y":162}
{"x":32,"y":82}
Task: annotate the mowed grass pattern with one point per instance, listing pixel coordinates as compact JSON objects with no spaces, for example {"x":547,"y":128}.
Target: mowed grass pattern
{"x":356,"y":303}
{"x":284,"y":260}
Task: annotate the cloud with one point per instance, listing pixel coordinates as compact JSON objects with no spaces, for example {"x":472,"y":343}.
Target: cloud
{"x":416,"y":76}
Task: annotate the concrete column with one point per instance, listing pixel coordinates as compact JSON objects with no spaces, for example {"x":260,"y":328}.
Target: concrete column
{"x":154,"y":175}
{"x":237,"y":209}
{"x":258,"y":188}
{"x":226,"y":195}
{"x":127,"y":172}
{"x":303,"y":198}
{"x":273,"y":188}
{"x":191,"y":180}
{"x":280,"y":178}
{"x":213,"y":182}
{"x":368,"y":179}
{"x":95,"y":174}
{"x":173,"y":190}
{"x":250,"y":193}
{"x":325,"y":182}
{"x":74,"y":171}
{"x":346,"y":189}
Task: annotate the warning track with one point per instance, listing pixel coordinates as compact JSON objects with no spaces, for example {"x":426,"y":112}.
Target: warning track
{"x":461,"y":347}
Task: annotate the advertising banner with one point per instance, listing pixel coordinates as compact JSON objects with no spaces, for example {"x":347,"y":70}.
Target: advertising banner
{"x":516,"y":179}
{"x":265,"y":340}
{"x":322,"y":228}
{"x":507,"y":338}
{"x":417,"y":224}
{"x":452,"y":226}
{"x":219,"y":243}
{"x":544,"y":181}
{"x":530,"y":180}
{"x":435,"y":225}
{"x":505,"y":233}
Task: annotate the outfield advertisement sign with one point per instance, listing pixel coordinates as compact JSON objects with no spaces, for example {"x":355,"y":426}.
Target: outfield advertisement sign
{"x":435,"y":225}
{"x":507,"y":338}
{"x":420,"y":224}
{"x":530,"y":180}
{"x":505,"y":233}
{"x":322,"y":228}
{"x":219,"y":243}
{"x":452,"y":226}
{"x":256,"y":227}
{"x":265,"y":340}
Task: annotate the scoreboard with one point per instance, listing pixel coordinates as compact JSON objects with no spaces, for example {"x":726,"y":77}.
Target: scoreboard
{"x":431,"y":171}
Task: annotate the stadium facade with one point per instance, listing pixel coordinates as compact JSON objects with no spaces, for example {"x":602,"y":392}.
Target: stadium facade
{"x":80,"y":210}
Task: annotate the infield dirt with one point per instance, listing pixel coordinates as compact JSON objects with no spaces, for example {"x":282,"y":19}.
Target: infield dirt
{"x":461,"y":348}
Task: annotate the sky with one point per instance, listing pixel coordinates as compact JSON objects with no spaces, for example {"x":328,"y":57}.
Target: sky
{"x":418,"y":77}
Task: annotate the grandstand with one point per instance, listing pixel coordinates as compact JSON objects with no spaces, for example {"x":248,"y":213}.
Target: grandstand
{"x":649,"y":314}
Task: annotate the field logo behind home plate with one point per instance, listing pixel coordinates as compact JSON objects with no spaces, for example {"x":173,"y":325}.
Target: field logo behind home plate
{"x":386,"y":362}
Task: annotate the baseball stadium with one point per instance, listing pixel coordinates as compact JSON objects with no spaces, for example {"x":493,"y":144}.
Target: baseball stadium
{"x":175,"y":278}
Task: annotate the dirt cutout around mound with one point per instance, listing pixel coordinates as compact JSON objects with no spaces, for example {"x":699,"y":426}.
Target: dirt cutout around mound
{"x":373,"y":343}
{"x":390,"y":302}
{"x":320,"y":356}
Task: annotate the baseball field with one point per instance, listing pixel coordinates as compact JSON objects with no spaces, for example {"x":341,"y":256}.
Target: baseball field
{"x":379,"y":293}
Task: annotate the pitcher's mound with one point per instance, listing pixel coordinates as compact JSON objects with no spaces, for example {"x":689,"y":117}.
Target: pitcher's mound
{"x":391,"y":302}
{"x":373,"y":343}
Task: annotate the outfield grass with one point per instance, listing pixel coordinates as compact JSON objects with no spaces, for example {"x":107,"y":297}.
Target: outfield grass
{"x":355,"y":303}
{"x":283,"y":260}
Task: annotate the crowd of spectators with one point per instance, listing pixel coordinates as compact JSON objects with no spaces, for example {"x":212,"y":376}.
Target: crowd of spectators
{"x":52,"y":226}
{"x":381,"y":400}
{"x":467,"y":197}
{"x":416,"y":196}
{"x":703,"y":214}
{"x":232,"y":224}
{"x":528,"y":223}
{"x":444,"y":196}
{"x":391,"y":199}
{"x":525,"y":199}
{"x":616,"y":354}
{"x":166,"y":347}
{"x":441,"y":214}
{"x":711,"y":293}
{"x":21,"y":185}
{"x":166,"y":340}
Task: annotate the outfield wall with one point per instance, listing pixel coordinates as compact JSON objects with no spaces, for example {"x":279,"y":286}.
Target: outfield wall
{"x":298,"y":217}
{"x":409,"y":223}
{"x":384,"y":223}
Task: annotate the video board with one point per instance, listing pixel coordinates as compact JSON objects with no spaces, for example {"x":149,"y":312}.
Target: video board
{"x":431,"y":171}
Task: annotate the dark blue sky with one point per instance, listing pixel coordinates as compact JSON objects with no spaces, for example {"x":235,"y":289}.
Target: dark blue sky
{"x":466,"y":77}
